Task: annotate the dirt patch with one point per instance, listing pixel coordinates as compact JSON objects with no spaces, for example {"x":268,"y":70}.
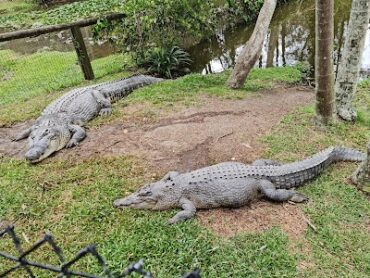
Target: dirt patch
{"x":9,"y":147}
{"x":259,"y":216}
{"x":218,"y":131}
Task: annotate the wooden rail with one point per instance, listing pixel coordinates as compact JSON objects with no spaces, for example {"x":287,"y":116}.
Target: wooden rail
{"x":55,"y":28}
{"x":78,"y":41}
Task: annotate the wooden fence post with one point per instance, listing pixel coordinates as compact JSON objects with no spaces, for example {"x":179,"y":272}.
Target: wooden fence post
{"x":83,"y":57}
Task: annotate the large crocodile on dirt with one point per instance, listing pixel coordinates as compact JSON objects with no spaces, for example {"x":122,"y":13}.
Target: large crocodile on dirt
{"x":61,"y":123}
{"x":233,"y":184}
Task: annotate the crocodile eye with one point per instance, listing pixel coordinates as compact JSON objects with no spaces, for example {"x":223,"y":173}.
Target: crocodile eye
{"x":145,"y":193}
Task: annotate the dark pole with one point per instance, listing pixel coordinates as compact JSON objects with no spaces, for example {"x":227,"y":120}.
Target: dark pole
{"x":83,"y":57}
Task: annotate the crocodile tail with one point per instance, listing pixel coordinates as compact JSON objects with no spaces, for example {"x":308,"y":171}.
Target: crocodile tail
{"x":118,"y":89}
{"x":347,"y":154}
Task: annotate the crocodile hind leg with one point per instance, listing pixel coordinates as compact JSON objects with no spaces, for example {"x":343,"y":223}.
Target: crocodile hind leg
{"x":170,"y":175}
{"x":78,"y":134}
{"x":268,"y":190}
{"x":105,"y":104}
{"x":187,"y":212}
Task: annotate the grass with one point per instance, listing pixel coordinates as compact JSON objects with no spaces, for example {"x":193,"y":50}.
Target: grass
{"x":73,"y":200}
{"x":190,"y":86}
{"x":9,"y":7}
{"x":62,"y":14}
{"x":340,"y":247}
{"x":190,"y":89}
{"x":29,"y":83}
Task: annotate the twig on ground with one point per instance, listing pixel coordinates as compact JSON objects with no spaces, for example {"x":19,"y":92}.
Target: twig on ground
{"x":312,"y":226}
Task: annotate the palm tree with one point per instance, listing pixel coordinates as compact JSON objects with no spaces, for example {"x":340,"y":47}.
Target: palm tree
{"x":324,"y":72}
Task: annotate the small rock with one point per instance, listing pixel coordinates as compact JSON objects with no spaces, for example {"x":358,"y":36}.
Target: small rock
{"x":36,"y":25}
{"x":246,"y":145}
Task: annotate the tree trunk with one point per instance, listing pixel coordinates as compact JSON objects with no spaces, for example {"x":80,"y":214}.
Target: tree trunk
{"x":340,"y":46}
{"x":283,"y":44}
{"x":349,"y":67}
{"x":361,"y":177}
{"x":252,"y":49}
{"x":324,"y":60}
{"x":273,"y":39}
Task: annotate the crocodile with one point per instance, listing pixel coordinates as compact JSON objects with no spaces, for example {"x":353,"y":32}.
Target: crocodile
{"x":233,"y":184}
{"x":61,"y":122}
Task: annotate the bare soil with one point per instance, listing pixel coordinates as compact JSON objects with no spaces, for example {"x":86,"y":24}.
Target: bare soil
{"x":259,"y":216}
{"x":192,"y":137}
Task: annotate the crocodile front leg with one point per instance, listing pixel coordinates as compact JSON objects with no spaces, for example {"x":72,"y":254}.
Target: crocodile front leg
{"x":23,"y":134}
{"x":187,"y":212}
{"x":78,"y":134}
{"x":269,"y":191}
{"x":105,"y":104}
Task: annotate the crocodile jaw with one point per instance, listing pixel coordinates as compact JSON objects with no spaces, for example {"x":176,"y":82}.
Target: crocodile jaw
{"x":135,"y":201}
{"x":45,"y":141}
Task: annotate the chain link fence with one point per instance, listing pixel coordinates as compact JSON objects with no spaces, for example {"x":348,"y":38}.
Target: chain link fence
{"x":65,"y":268}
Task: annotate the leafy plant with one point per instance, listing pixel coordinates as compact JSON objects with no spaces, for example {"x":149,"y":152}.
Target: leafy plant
{"x":163,"y":23}
{"x":167,"y":61}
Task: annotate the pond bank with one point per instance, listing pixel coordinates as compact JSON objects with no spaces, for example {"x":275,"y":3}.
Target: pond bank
{"x":291,"y":40}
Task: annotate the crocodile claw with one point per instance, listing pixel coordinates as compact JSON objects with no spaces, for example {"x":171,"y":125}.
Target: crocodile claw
{"x":105,"y":112}
{"x":171,"y":221}
{"x":71,"y":144}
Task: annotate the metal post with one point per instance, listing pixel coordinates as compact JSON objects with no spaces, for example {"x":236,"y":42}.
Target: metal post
{"x":83,"y":57}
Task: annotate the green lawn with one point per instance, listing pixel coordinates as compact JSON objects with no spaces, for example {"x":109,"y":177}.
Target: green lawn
{"x":73,"y":200}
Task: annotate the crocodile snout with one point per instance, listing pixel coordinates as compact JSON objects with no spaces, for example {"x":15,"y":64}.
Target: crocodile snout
{"x":121,"y":202}
{"x":134,"y":201}
{"x":33,"y":154}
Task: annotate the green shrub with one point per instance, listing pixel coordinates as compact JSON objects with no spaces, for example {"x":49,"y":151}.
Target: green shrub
{"x":163,"y":24}
{"x":166,"y":62}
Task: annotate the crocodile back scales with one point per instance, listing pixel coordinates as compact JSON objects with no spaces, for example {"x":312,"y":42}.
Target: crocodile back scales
{"x":284,"y":176}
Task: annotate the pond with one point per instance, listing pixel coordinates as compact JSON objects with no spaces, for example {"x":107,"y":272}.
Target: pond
{"x":291,"y":39}
{"x":60,"y":41}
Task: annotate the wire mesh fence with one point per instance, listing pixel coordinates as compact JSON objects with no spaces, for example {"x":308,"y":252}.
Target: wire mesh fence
{"x":35,"y":66}
{"x":64,"y":269}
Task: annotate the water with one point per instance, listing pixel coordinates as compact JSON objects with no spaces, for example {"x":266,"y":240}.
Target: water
{"x":291,"y":39}
{"x":60,"y":41}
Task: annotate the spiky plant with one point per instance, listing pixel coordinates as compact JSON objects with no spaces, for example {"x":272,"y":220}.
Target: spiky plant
{"x":167,"y":61}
